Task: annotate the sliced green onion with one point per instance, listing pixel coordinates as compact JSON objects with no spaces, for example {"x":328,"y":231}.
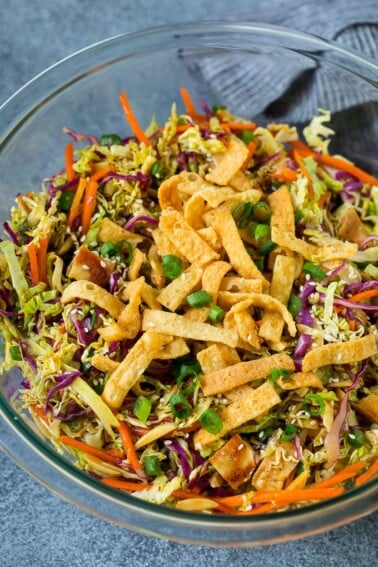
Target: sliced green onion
{"x":217,"y":107}
{"x":187,"y":368}
{"x":211,"y":421}
{"x":180,"y":407}
{"x":191,"y":371}
{"x":151,"y":465}
{"x":261,"y":231}
{"x":356,"y":438}
{"x":130,"y":252}
{"x":289,"y":432}
{"x":242,"y":213}
{"x":314,"y":271}
{"x":157,"y":169}
{"x":142,"y":408}
{"x":298,"y":215}
{"x":314,"y":405}
{"x":265,"y":434}
{"x":276,"y":373}
{"x":294,"y":305}
{"x":259,"y":262}
{"x":65,"y":201}
{"x":216,"y":314}
{"x":110,"y":139}
{"x":267,"y":248}
{"x":261,"y":212}
{"x":108,"y":249}
{"x":172,"y":266}
{"x":246,"y":136}
{"x":15,"y":352}
{"x":199,"y":298}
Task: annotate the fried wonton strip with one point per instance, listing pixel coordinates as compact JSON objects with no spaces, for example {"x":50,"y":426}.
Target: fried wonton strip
{"x":112,"y":332}
{"x":224,"y":225}
{"x":132,"y":367}
{"x":243,"y":285}
{"x":155,"y":433}
{"x":104,"y":363}
{"x":300,"y":380}
{"x":215,"y":196}
{"x":246,"y":327}
{"x":112,"y":232}
{"x":228,"y":163}
{"x":174,"y":294}
{"x":130,"y":319}
{"x":176,"y":348}
{"x":235,"y":461}
{"x":282,"y":210}
{"x":248,"y":404}
{"x":251,"y":195}
{"x":223,"y":380}
{"x":136,"y":263}
{"x":240,"y":182}
{"x":168,"y":194}
{"x":164,"y":245}
{"x":334,"y":250}
{"x":187,"y":240}
{"x":217,"y":356}
{"x":280,"y":288}
{"x":368,"y":406}
{"x":267,"y":302}
{"x":156,"y":274}
{"x":276,"y":468}
{"x":227,"y":299}
{"x":212,"y":277}
{"x":340,"y":353}
{"x":211,"y":238}
{"x":178,"y":326}
{"x":194,"y":208}
{"x":92,"y":292}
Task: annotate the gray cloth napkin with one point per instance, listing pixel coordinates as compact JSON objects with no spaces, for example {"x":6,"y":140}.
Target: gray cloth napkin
{"x":266,"y":86}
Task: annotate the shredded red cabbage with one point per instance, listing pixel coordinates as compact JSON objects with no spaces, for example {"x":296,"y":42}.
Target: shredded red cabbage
{"x":183,"y":457}
{"x":113,"y":282}
{"x":139,"y":218}
{"x":209,"y":113}
{"x":303,"y":344}
{"x":367,"y":241}
{"x":305,"y":317}
{"x":351,"y":304}
{"x":81,"y":137}
{"x":12,"y":235}
{"x":73,"y":411}
{"x":85,"y":333}
{"x":13,"y":314}
{"x":63,"y":380}
{"x":361,"y":286}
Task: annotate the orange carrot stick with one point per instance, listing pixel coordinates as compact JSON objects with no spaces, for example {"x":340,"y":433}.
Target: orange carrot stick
{"x":75,"y":207}
{"x":304,"y":171}
{"x":76,"y":444}
{"x":369,"y":474}
{"x":188,"y":103}
{"x":240,"y":126}
{"x":33,"y":259}
{"x":259,"y":510}
{"x":133,"y":122}
{"x":42,"y":258}
{"x":285,"y":175}
{"x":125,"y":484}
{"x":367,"y":294}
{"x":290,"y":496}
{"x":348,"y":472}
{"x":103,"y":172}
{"x":323,"y":199}
{"x":89,"y":204}
{"x":251,"y":150}
{"x":127,"y":441}
{"x":69,"y":161}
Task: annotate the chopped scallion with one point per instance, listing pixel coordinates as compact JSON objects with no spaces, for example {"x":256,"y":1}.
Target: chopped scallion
{"x":172,"y":266}
{"x":108,"y":249}
{"x":142,"y":408}
{"x":15,"y":352}
{"x":180,"y":407}
{"x":289,"y":432}
{"x":216,"y":314}
{"x":261,"y":212}
{"x":211,"y":421}
{"x":110,"y":139}
{"x":151,"y":465}
{"x":199,"y":298}
{"x":314,"y":271}
{"x":356,"y":438}
{"x":267,"y":248}
{"x":314,"y":405}
{"x":294,"y":305}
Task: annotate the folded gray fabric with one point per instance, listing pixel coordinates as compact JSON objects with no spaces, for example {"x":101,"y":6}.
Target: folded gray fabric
{"x":263,"y":85}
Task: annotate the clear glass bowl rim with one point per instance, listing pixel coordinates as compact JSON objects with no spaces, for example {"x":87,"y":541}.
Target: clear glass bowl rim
{"x":19,"y":107}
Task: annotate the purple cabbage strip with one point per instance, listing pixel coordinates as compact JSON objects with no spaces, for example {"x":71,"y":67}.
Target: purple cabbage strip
{"x":303,"y":344}
{"x":351,"y":304}
{"x":352,"y":185}
{"x":12,"y":235}
{"x":53,"y":189}
{"x":209,"y":113}
{"x":298,"y":447}
{"x":77,"y":137}
{"x":185,"y":465}
{"x":361,"y":286}
{"x":139,"y":218}
{"x":32,"y":363}
{"x":85,"y":333}
{"x":73,"y":410}
{"x":63,"y":380}
{"x":113,"y":282}
{"x":265,"y":161}
{"x":305,"y":317}
{"x":367,"y":241}
{"x":13,"y":314}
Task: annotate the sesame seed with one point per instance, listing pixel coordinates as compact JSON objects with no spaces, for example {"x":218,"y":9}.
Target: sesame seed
{"x":102,"y":264}
{"x":240,"y":447}
{"x":85,"y":266}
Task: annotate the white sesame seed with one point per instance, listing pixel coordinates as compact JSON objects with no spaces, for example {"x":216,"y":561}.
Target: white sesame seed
{"x":102,"y":264}
{"x":240,"y":447}
{"x":85,"y":266}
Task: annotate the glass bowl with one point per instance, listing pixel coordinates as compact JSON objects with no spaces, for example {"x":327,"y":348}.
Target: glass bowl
{"x":265,"y":73}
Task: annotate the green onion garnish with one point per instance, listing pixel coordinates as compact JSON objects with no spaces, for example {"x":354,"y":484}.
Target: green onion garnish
{"x":199,"y":298}
{"x":294,"y":305}
{"x":110,"y":139}
{"x":289,"y":432}
{"x":314,"y":271}
{"x":265,"y":434}
{"x":267,"y":248}
{"x":276,"y":373}
{"x":65,"y":201}
{"x":191,"y":371}
{"x":15,"y":352}
{"x":108,"y":249}
{"x":261,"y":212}
{"x":259,"y":262}
{"x":242,"y":214}
{"x":180,"y":407}
{"x":151,"y":465}
{"x":356,"y":438}
{"x":217,"y":107}
{"x":172,"y":266}
{"x":246,"y":136}
{"x":216,"y":314}
{"x":142,"y":408}
{"x":157,"y":169}
{"x":261,"y":231}
{"x":211,"y":421}
{"x":314,"y":405}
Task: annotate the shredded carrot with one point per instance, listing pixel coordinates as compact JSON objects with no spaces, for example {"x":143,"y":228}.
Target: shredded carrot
{"x":183,"y":494}
{"x":125,"y":484}
{"x":302,"y":148}
{"x":352,"y":324}
{"x":348,"y":472}
{"x":251,"y":150}
{"x":128,"y":444}
{"x":367,"y":294}
{"x":89,"y":203}
{"x":289,"y":496}
{"x":237,"y":500}
{"x":188,"y":103}
{"x":76,"y":444}
{"x":103,"y":172}
{"x":285,"y":175}
{"x":75,"y":207}
{"x":304,"y":171}
{"x":130,"y":117}
{"x":369,"y":474}
{"x":42,"y":258}
{"x":259,"y":510}
{"x":323,"y":199}
{"x":240,"y":126}
{"x":69,"y":161}
{"x":33,"y":259}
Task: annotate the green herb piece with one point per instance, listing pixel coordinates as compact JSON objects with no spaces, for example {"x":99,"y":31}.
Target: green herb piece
{"x":110,"y":139}
{"x":172,"y":266}
{"x":246,"y":136}
{"x":242,"y":214}
{"x":276,"y":373}
{"x":180,"y":407}
{"x":261,"y":212}
{"x":15,"y":352}
{"x":151,"y":465}
{"x":314,"y":405}
{"x":199,"y":298}
{"x":217,"y":107}
{"x":157,"y":169}
{"x":142,"y":408}
{"x":298,"y":215}
{"x":261,"y":231}
{"x":259,"y":262}
{"x":356,"y":438}
{"x":65,"y":201}
{"x":267,"y":248}
{"x":130,"y":251}
{"x":314,"y":271}
{"x":265,"y":434}
{"x":289,"y":432}
{"x":108,"y":249}
{"x":294,"y":305}
{"x":216,"y":314}
{"x":211,"y":421}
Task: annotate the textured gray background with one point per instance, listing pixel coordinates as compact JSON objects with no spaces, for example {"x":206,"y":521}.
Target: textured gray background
{"x":36,"y":527}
